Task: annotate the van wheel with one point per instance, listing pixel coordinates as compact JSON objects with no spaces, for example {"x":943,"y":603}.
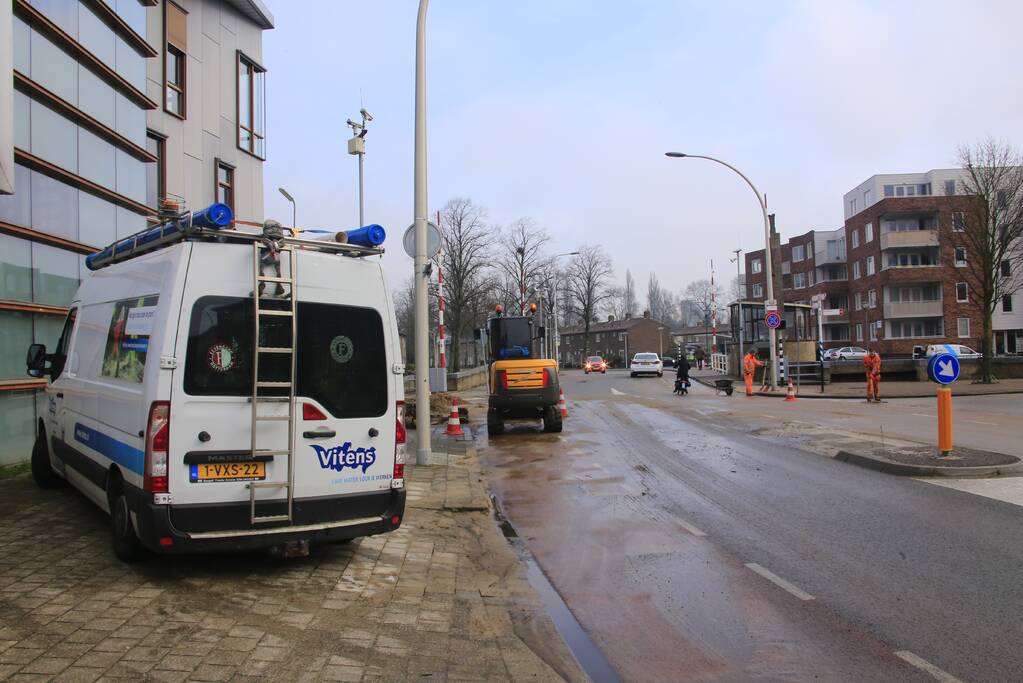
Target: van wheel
{"x":124,"y":540}
{"x":495,"y":425}
{"x":42,"y":470}
{"x":552,"y":419}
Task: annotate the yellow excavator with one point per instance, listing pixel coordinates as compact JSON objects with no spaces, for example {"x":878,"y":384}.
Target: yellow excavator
{"x":523,"y":386}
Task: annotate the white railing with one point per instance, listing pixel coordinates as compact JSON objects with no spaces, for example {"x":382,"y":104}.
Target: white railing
{"x":719,"y":363}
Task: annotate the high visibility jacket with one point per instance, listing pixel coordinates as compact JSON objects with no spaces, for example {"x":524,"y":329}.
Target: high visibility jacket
{"x":872,"y":365}
{"x":751,"y":362}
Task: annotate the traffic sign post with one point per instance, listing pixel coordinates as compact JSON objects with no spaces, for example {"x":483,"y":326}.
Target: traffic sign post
{"x":943,"y":369}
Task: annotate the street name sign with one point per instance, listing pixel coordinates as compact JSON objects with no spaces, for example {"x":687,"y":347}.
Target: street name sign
{"x":943,"y":368}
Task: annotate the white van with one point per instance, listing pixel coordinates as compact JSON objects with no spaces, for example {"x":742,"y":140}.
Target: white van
{"x":167,"y":412}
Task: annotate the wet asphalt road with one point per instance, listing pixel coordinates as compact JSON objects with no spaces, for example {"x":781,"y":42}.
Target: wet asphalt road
{"x":658,"y":525}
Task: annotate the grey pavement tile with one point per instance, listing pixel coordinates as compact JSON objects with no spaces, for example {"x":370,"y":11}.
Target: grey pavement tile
{"x":79,"y":674}
{"x":212,"y":672}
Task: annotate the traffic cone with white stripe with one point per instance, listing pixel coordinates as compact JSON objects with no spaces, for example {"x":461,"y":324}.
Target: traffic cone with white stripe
{"x":790,"y":393}
{"x":454,"y":423}
{"x":562,"y":406}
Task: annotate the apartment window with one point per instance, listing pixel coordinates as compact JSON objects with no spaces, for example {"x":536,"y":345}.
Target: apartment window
{"x":866,"y":198}
{"x":855,"y":238}
{"x":224,"y":189}
{"x":870,"y":265}
{"x":799,"y":280}
{"x":872,"y":298}
{"x":853,"y":208}
{"x":873,"y":327}
{"x":950,"y":187}
{"x":868,"y":233}
{"x":175,"y":34}
{"x":1007,"y":303}
{"x":958,"y":221}
{"x":964,"y":327}
{"x":859,"y":332}
{"x":856,"y":270}
{"x":156,"y":172}
{"x":758,"y":291}
{"x":859,"y":300}
{"x":798,"y":252}
{"x":889,"y":190}
{"x":962,"y":292}
{"x":960,"y":256}
{"x":1006,"y":269}
{"x":756,"y":265}
{"x":251,"y":107}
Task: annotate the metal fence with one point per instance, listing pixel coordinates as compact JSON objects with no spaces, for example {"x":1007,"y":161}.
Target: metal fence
{"x":719,"y":363}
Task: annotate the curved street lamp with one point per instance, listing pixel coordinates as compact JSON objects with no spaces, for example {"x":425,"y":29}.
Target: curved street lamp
{"x":767,"y":241}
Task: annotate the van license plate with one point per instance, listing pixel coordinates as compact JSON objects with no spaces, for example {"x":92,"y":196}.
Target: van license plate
{"x":228,"y":471}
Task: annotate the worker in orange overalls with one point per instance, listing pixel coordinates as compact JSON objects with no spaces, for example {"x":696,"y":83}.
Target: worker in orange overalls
{"x":872,"y":366}
{"x":749,"y":365}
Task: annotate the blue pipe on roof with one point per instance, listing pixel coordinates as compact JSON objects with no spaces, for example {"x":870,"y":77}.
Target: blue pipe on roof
{"x":367,"y":236}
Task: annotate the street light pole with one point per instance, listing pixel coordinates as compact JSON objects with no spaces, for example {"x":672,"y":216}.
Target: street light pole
{"x":294,"y":209}
{"x":767,"y":240}
{"x":422,"y":273}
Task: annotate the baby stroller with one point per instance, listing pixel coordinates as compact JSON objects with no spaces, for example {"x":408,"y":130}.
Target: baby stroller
{"x":681,"y":386}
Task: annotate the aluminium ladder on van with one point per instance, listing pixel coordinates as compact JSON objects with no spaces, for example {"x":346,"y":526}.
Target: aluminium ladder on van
{"x":275,"y":249}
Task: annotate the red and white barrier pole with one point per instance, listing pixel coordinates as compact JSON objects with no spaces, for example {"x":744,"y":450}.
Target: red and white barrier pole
{"x":440,"y":307}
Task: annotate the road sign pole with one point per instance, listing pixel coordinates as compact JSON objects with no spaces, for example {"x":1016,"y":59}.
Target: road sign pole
{"x":820,"y":340}
{"x":945,"y":420}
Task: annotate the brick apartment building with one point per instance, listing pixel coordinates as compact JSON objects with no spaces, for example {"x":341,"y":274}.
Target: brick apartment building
{"x":891,"y":275}
{"x":615,"y":340}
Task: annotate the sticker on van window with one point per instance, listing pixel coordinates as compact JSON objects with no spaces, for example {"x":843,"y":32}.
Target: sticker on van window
{"x":131,"y":324}
{"x":341,"y":349}
{"x":220,"y":357}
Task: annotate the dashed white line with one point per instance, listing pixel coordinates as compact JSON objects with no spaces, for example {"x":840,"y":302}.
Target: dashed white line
{"x":690,"y":528}
{"x":924,"y":665}
{"x":615,"y":392}
{"x":980,"y":422}
{"x":922,"y":414}
{"x":780,"y":582}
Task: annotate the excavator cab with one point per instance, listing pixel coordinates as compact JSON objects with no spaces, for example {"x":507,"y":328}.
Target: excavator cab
{"x":523,"y":386}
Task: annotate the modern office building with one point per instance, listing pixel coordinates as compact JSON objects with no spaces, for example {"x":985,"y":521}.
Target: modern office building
{"x":115,"y":105}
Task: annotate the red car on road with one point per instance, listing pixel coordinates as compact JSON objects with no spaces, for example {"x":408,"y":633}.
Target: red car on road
{"x":595,"y":364}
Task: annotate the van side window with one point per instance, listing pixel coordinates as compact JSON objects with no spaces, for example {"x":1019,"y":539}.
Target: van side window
{"x":60,"y":353}
{"x":342,"y":361}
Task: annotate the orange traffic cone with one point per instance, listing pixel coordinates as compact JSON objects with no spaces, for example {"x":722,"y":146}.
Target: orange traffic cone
{"x":790,"y":393}
{"x":454,"y":423}
{"x":562,"y":406}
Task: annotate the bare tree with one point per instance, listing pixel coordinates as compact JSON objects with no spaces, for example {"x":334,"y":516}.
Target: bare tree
{"x":465,"y":259}
{"x":629,"y":296}
{"x":990,"y":231}
{"x":521,"y":258}
{"x":405,"y":311}
{"x":615,"y":305}
{"x":588,"y":275}
{"x":659,"y":301}
{"x":703,"y":297}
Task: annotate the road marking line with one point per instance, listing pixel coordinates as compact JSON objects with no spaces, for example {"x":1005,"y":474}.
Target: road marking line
{"x":690,"y":528}
{"x":780,"y":582}
{"x":922,"y":414}
{"x":924,"y":665}
{"x":615,"y":392}
{"x":978,"y":422}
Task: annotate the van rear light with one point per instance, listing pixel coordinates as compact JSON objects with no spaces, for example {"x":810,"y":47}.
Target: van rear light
{"x":311,"y":412}
{"x":400,"y":437}
{"x":154,"y":476}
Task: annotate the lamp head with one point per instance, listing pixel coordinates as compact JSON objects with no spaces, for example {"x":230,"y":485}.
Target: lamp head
{"x":286,"y":195}
{"x":676,"y":155}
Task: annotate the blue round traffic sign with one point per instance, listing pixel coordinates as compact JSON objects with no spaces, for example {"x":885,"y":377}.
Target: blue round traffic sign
{"x":943,"y":368}
{"x":773,"y":320}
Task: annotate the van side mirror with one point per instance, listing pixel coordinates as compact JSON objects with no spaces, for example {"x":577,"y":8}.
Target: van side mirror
{"x":36,"y":360}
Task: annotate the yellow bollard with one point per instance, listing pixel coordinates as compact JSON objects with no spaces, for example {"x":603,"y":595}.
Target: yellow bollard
{"x":945,"y":420}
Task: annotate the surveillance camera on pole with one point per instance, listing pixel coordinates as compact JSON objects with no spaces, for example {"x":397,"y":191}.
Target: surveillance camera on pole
{"x":357,"y":146}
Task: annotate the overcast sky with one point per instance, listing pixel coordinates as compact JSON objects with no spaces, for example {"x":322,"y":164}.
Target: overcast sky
{"x":562,"y":111}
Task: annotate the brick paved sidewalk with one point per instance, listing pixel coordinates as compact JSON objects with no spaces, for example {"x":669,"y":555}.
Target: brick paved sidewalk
{"x":444,"y":598}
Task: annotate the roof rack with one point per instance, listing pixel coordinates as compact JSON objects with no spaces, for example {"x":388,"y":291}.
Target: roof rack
{"x":212,"y":224}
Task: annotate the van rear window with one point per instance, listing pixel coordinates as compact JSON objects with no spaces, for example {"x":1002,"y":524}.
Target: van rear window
{"x":341,"y":356}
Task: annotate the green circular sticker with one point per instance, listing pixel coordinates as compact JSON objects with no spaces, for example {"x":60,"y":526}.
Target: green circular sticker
{"x":341,"y":349}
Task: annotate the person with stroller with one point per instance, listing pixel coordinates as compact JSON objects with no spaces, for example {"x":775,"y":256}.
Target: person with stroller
{"x":682,"y":377}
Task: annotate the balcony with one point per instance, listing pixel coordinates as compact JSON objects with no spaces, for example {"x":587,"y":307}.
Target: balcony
{"x":909,"y":238}
{"x":913,"y":309}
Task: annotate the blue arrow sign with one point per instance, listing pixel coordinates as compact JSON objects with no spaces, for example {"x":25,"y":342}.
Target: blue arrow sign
{"x":943,"y":368}
{"x":773,"y":320}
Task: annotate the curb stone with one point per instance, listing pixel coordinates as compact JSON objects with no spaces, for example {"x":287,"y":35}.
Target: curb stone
{"x":781,"y":393}
{"x":880,"y":464}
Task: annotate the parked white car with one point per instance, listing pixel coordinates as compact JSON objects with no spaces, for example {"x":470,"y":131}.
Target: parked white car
{"x":955,"y":349}
{"x":646,"y":364}
{"x":846,"y":353}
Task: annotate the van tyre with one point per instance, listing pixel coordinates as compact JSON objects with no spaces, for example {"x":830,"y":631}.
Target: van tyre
{"x":42,"y":470}
{"x":552,"y":419}
{"x":124,"y":540}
